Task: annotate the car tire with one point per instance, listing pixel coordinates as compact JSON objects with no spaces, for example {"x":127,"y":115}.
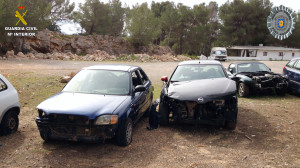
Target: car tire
{"x":243,"y":90}
{"x":164,"y":114}
{"x":45,"y":136}
{"x":124,"y":134}
{"x":10,"y":123}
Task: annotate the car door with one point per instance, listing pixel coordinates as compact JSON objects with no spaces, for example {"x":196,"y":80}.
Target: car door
{"x":289,"y":72}
{"x":296,"y":76}
{"x":148,"y":92}
{"x":138,"y":98}
{"x":3,"y":97}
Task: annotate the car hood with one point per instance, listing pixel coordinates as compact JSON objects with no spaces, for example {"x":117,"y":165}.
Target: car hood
{"x":90,"y":105}
{"x":202,"y":91}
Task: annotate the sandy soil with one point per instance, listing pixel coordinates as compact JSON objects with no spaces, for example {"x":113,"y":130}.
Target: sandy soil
{"x":267,"y":134}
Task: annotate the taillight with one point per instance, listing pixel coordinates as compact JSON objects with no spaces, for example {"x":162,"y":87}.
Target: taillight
{"x":283,"y":69}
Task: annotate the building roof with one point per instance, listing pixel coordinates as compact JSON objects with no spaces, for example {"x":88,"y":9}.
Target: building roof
{"x":265,"y":48}
{"x":115,"y":67}
{"x":202,"y":62}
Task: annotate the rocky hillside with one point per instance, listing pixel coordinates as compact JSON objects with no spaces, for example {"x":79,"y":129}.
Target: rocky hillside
{"x":98,"y":55}
{"x":55,"y":46}
{"x":53,"y":42}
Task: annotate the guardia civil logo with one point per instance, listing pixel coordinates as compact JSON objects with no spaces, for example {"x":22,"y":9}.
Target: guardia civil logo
{"x":21,"y":17}
{"x":281,"y":22}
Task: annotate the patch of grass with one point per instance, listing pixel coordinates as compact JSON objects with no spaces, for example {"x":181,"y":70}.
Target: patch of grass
{"x":193,"y":57}
{"x":157,"y":89}
{"x":132,"y":57}
{"x":34,"y":88}
{"x":123,"y":57}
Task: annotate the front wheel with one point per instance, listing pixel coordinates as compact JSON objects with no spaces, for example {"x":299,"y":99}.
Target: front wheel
{"x":124,"y":134}
{"x":164,"y":113}
{"x":10,"y":123}
{"x":243,"y":90}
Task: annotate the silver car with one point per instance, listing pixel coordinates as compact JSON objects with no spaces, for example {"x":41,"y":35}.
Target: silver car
{"x":9,"y":107}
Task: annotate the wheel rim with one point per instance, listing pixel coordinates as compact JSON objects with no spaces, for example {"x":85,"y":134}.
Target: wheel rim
{"x":241,"y":90}
{"x":129,"y":132}
{"x":11,"y":123}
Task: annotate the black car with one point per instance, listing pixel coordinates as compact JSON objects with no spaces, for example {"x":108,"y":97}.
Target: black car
{"x":199,"y":92}
{"x":100,"y":102}
{"x":255,"y":77}
{"x":292,"y":72}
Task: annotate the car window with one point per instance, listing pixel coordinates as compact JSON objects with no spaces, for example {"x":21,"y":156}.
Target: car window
{"x":291,"y":63}
{"x":252,"y":67}
{"x":3,"y":86}
{"x":197,"y":72}
{"x":297,"y":65}
{"x":136,"y":79}
{"x":107,"y":82}
{"x":143,"y":76}
{"x":232,"y":67}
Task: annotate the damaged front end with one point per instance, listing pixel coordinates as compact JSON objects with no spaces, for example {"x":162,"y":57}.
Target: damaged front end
{"x":216,"y":111}
{"x":72,"y":127}
{"x":268,"y":81}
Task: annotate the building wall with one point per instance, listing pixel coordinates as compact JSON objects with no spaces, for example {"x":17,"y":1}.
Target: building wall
{"x":274,"y":55}
{"x":271,"y":55}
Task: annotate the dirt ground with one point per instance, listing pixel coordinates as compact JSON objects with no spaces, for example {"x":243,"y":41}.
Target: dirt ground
{"x":267,"y":133}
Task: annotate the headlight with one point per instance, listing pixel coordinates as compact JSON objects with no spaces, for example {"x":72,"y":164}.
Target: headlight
{"x":106,"y":120}
{"x":42,"y":114}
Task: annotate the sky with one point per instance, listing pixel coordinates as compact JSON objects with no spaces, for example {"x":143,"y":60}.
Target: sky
{"x":72,"y":28}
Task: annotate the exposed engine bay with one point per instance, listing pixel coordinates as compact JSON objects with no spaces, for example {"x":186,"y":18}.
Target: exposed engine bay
{"x":217,"y":110}
{"x":267,"y":80}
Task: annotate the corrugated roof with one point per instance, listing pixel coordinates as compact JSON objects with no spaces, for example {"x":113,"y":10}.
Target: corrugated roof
{"x":266,"y":48}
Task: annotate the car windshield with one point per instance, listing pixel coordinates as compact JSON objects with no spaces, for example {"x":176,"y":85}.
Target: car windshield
{"x":252,"y":67}
{"x":105,"y":82}
{"x":197,"y":72}
{"x":219,"y":52}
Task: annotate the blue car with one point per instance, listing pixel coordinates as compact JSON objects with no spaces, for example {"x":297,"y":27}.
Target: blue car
{"x":292,"y":72}
{"x":100,"y":102}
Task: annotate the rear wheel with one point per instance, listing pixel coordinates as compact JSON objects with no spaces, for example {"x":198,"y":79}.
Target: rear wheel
{"x":10,"y":123}
{"x":124,"y":135}
{"x":243,"y":90}
{"x":164,"y":114}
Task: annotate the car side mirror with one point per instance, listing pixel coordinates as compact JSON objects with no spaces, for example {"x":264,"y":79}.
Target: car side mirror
{"x":235,"y":78}
{"x":270,"y":69}
{"x":139,"y":88}
{"x":164,"y":78}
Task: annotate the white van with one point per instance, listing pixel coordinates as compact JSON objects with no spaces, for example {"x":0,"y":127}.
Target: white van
{"x":218,"y":53}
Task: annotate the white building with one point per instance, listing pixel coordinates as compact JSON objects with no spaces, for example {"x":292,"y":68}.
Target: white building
{"x":261,"y":53}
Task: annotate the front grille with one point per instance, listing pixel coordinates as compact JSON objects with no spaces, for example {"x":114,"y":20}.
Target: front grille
{"x":68,"y":119}
{"x":70,"y":130}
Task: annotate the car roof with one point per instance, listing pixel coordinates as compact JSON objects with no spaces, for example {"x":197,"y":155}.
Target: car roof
{"x":201,"y":62}
{"x":297,"y":58}
{"x":248,"y":63}
{"x":115,"y":67}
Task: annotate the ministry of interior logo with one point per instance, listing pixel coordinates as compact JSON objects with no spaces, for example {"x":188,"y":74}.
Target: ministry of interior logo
{"x":281,"y":22}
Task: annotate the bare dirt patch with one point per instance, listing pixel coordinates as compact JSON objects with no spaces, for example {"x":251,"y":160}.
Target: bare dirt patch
{"x":267,"y":134}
